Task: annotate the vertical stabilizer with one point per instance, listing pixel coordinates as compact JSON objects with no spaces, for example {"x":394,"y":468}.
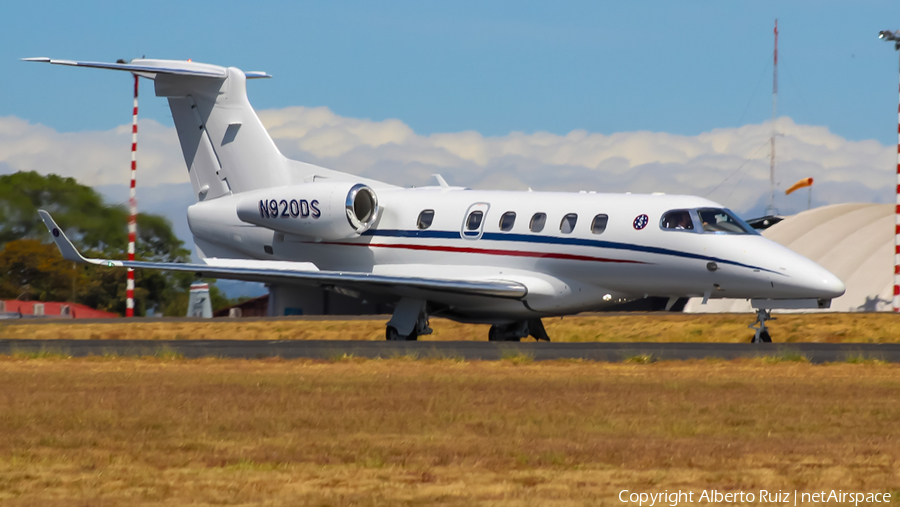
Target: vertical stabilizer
{"x":225,"y":146}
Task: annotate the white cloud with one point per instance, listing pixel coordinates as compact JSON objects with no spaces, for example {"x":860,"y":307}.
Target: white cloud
{"x":729,"y":165}
{"x":91,"y":157}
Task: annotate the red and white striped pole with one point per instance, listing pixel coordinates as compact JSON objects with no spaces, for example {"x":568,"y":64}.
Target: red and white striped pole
{"x":897,"y":217}
{"x":894,"y":36}
{"x":132,"y":204}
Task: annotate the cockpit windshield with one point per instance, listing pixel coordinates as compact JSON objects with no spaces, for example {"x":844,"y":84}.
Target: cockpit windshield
{"x":705,"y":220}
{"x":723,"y":221}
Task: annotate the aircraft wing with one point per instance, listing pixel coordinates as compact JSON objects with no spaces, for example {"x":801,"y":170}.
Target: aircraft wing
{"x":301,"y":273}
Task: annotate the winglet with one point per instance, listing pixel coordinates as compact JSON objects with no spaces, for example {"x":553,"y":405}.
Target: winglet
{"x":66,"y":248}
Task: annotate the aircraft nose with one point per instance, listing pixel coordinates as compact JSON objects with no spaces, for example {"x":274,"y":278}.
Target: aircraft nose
{"x":831,"y":285}
{"x":816,"y":281}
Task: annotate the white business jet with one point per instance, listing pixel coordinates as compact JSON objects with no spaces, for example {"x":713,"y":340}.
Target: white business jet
{"x":498,"y":257}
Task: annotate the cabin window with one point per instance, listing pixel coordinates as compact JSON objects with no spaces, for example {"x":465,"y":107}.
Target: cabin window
{"x":507,"y":221}
{"x":723,"y":221}
{"x":567,"y":225}
{"x":425,"y":219}
{"x":473,"y":223}
{"x":598,"y":225}
{"x":537,"y":222}
{"x":677,"y":220}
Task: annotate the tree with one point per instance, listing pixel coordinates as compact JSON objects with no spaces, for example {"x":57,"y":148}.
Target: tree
{"x":98,"y":229}
{"x":75,"y":207}
{"x":157,"y":241}
{"x":31,"y":270}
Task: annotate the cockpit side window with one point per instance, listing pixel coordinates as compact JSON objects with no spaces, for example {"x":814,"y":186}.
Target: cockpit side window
{"x":425,"y":219}
{"x":677,"y":220}
{"x":723,"y":221}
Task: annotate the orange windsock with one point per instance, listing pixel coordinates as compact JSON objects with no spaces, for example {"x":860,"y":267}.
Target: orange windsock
{"x":805,"y":182}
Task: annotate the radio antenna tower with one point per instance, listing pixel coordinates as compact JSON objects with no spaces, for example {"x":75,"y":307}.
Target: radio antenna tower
{"x":770,"y":210}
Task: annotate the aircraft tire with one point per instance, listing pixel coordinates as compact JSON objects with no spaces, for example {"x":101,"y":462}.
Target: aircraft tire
{"x":496,"y":335}
{"x":763,"y":337}
{"x":391,"y":334}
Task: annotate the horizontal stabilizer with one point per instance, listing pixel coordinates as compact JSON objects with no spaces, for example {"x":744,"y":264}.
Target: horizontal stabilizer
{"x":301,"y":273}
{"x":150,"y":68}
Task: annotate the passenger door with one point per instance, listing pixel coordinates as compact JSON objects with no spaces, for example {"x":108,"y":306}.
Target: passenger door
{"x":473,"y":222}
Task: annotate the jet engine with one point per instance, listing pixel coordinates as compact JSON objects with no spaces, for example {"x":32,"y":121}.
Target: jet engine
{"x":323,"y":210}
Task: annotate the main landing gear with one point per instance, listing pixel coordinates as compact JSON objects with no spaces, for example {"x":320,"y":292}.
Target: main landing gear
{"x":518,"y":330}
{"x":409,"y":321}
{"x":762,"y":332}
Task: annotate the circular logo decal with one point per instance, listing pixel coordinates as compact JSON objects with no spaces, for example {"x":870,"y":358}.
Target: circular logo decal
{"x":640,"y":222}
{"x":55,"y":232}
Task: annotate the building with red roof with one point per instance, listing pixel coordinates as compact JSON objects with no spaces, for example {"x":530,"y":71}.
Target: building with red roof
{"x":50,"y":309}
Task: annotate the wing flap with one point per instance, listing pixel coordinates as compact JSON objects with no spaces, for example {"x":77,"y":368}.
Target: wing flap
{"x":300,"y":273}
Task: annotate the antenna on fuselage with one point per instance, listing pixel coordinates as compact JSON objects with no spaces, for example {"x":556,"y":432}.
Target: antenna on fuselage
{"x":441,"y":181}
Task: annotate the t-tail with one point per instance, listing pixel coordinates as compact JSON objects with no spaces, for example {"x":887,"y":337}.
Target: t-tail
{"x":226,"y":148}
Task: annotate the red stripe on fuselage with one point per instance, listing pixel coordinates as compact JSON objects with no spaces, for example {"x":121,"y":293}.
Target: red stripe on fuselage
{"x":485,"y":251}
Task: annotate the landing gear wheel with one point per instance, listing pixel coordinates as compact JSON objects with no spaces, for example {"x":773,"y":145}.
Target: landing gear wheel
{"x":762,"y":331}
{"x":391,"y":334}
{"x":501,"y":334}
{"x":409,"y":314}
{"x":515,"y":331}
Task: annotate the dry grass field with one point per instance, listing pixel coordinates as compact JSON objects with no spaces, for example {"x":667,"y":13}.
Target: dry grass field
{"x":116,"y":431}
{"x":820,"y":327}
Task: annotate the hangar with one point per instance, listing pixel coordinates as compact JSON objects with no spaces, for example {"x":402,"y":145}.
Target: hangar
{"x":855,"y":241}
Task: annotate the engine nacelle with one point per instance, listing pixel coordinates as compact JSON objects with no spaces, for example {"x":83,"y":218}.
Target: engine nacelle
{"x":325,"y":210}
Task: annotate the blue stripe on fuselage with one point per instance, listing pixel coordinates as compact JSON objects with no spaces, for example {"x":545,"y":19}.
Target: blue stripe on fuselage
{"x":555,"y":240}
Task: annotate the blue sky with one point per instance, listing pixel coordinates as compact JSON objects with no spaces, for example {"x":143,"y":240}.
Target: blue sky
{"x":613,"y":96}
{"x":493,"y":67}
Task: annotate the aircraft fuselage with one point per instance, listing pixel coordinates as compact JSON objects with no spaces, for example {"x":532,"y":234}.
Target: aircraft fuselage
{"x":569,"y":265}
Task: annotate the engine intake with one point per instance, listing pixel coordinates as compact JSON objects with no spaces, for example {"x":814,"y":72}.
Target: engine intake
{"x":322,"y":210}
{"x":362,"y":207}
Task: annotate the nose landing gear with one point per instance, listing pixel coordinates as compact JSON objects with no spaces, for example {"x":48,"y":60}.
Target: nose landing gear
{"x":762,"y":331}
